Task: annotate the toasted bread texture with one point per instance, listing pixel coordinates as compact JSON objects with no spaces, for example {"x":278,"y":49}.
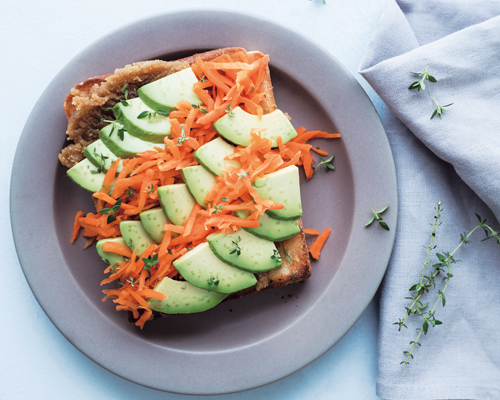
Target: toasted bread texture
{"x":86,"y":104}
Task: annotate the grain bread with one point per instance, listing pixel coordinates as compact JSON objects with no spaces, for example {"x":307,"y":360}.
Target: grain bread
{"x":86,"y":104}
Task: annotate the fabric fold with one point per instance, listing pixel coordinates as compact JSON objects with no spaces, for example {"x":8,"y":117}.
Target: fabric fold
{"x":455,"y":159}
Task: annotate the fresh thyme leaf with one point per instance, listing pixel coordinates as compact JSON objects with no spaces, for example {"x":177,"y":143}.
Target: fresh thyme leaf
{"x":131,"y":191}
{"x":124,"y":87}
{"x":202,"y":78}
{"x":124,"y":103}
{"x":110,"y":212}
{"x":217,"y":209}
{"x":131,"y":281}
{"x":420,"y":85}
{"x":288,"y":258}
{"x":150,"y":189}
{"x":143,"y":114}
{"x":150,"y":262}
{"x":114,"y":268}
{"x":223,"y":199}
{"x":327,"y":164}
{"x":237,"y":249}
{"x":439,"y":109}
{"x":276,"y":255}
{"x":230,"y":111}
{"x":182,"y":138}
{"x":376,"y":216}
{"x":243,"y":174}
{"x":212,"y":282}
{"x":107,"y":188}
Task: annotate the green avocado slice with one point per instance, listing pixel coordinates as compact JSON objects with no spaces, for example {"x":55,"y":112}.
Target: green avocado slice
{"x":282,"y":187}
{"x":153,"y":221}
{"x":135,"y":236}
{"x":101,"y":156}
{"x":184,"y":298}
{"x":199,"y":182}
{"x":86,"y":175}
{"x":202,"y":268}
{"x":211,"y":155}
{"x":236,"y":125}
{"x":245,"y":251}
{"x":272,"y":229}
{"x":123,"y":144}
{"x":176,"y":201}
{"x":166,"y":92}
{"x":153,"y":127}
{"x":110,"y":258}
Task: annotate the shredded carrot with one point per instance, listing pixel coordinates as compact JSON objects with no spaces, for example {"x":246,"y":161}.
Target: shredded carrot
{"x":316,"y":247}
{"x":76,"y":225}
{"x":311,"y":231}
{"x":223,"y":84}
{"x":117,"y":248}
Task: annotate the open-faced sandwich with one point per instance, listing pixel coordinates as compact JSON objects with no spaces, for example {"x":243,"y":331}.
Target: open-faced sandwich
{"x":194,"y":174}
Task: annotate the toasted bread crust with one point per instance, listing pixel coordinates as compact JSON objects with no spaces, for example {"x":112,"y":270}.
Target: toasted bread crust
{"x":84,"y":108}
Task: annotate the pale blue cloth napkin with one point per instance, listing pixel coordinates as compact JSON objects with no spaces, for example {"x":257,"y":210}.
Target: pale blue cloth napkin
{"x":455,"y":159}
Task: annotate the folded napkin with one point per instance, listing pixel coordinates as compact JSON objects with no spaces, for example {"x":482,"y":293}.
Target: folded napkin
{"x":455,"y":159}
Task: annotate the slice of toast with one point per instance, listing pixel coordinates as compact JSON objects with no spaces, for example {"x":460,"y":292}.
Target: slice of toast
{"x":84,"y":108}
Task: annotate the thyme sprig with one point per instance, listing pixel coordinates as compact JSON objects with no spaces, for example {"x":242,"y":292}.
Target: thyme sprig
{"x":237,"y":248}
{"x":149,"y":263}
{"x":125,"y":90}
{"x":380,"y":220}
{"x":420,"y":84}
{"x":116,"y":125}
{"x":110,"y":212}
{"x":327,"y":164}
{"x":213,"y":282}
{"x":439,"y":109}
{"x":149,"y":114}
{"x":425,"y":283}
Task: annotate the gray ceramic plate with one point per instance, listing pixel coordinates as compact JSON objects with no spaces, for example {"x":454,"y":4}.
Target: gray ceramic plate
{"x":244,"y":343}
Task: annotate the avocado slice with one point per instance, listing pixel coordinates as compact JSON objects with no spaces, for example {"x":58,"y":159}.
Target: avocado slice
{"x":245,"y":251}
{"x":153,"y":222}
{"x":236,"y":125}
{"x":166,"y":92}
{"x":129,"y":146}
{"x":272,"y":229}
{"x":184,"y":298}
{"x":282,"y":187}
{"x":152,"y":128}
{"x":101,"y":156}
{"x":199,"y":182}
{"x":202,"y":268}
{"x":87,"y":175}
{"x":212,"y":154}
{"x":135,"y":236}
{"x":110,"y":258}
{"x":176,"y":201}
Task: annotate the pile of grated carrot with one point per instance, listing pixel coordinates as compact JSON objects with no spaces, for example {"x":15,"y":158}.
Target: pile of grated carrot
{"x":224,"y":83}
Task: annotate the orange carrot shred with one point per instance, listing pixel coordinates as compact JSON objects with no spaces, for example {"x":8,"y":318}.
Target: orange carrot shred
{"x":316,"y":247}
{"x":76,"y":225}
{"x":311,"y":231}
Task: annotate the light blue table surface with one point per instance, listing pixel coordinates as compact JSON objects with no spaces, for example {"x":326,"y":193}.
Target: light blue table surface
{"x":37,"y":40}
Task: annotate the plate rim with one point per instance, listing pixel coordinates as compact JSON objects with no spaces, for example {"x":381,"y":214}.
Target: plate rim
{"x":16,"y":205}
